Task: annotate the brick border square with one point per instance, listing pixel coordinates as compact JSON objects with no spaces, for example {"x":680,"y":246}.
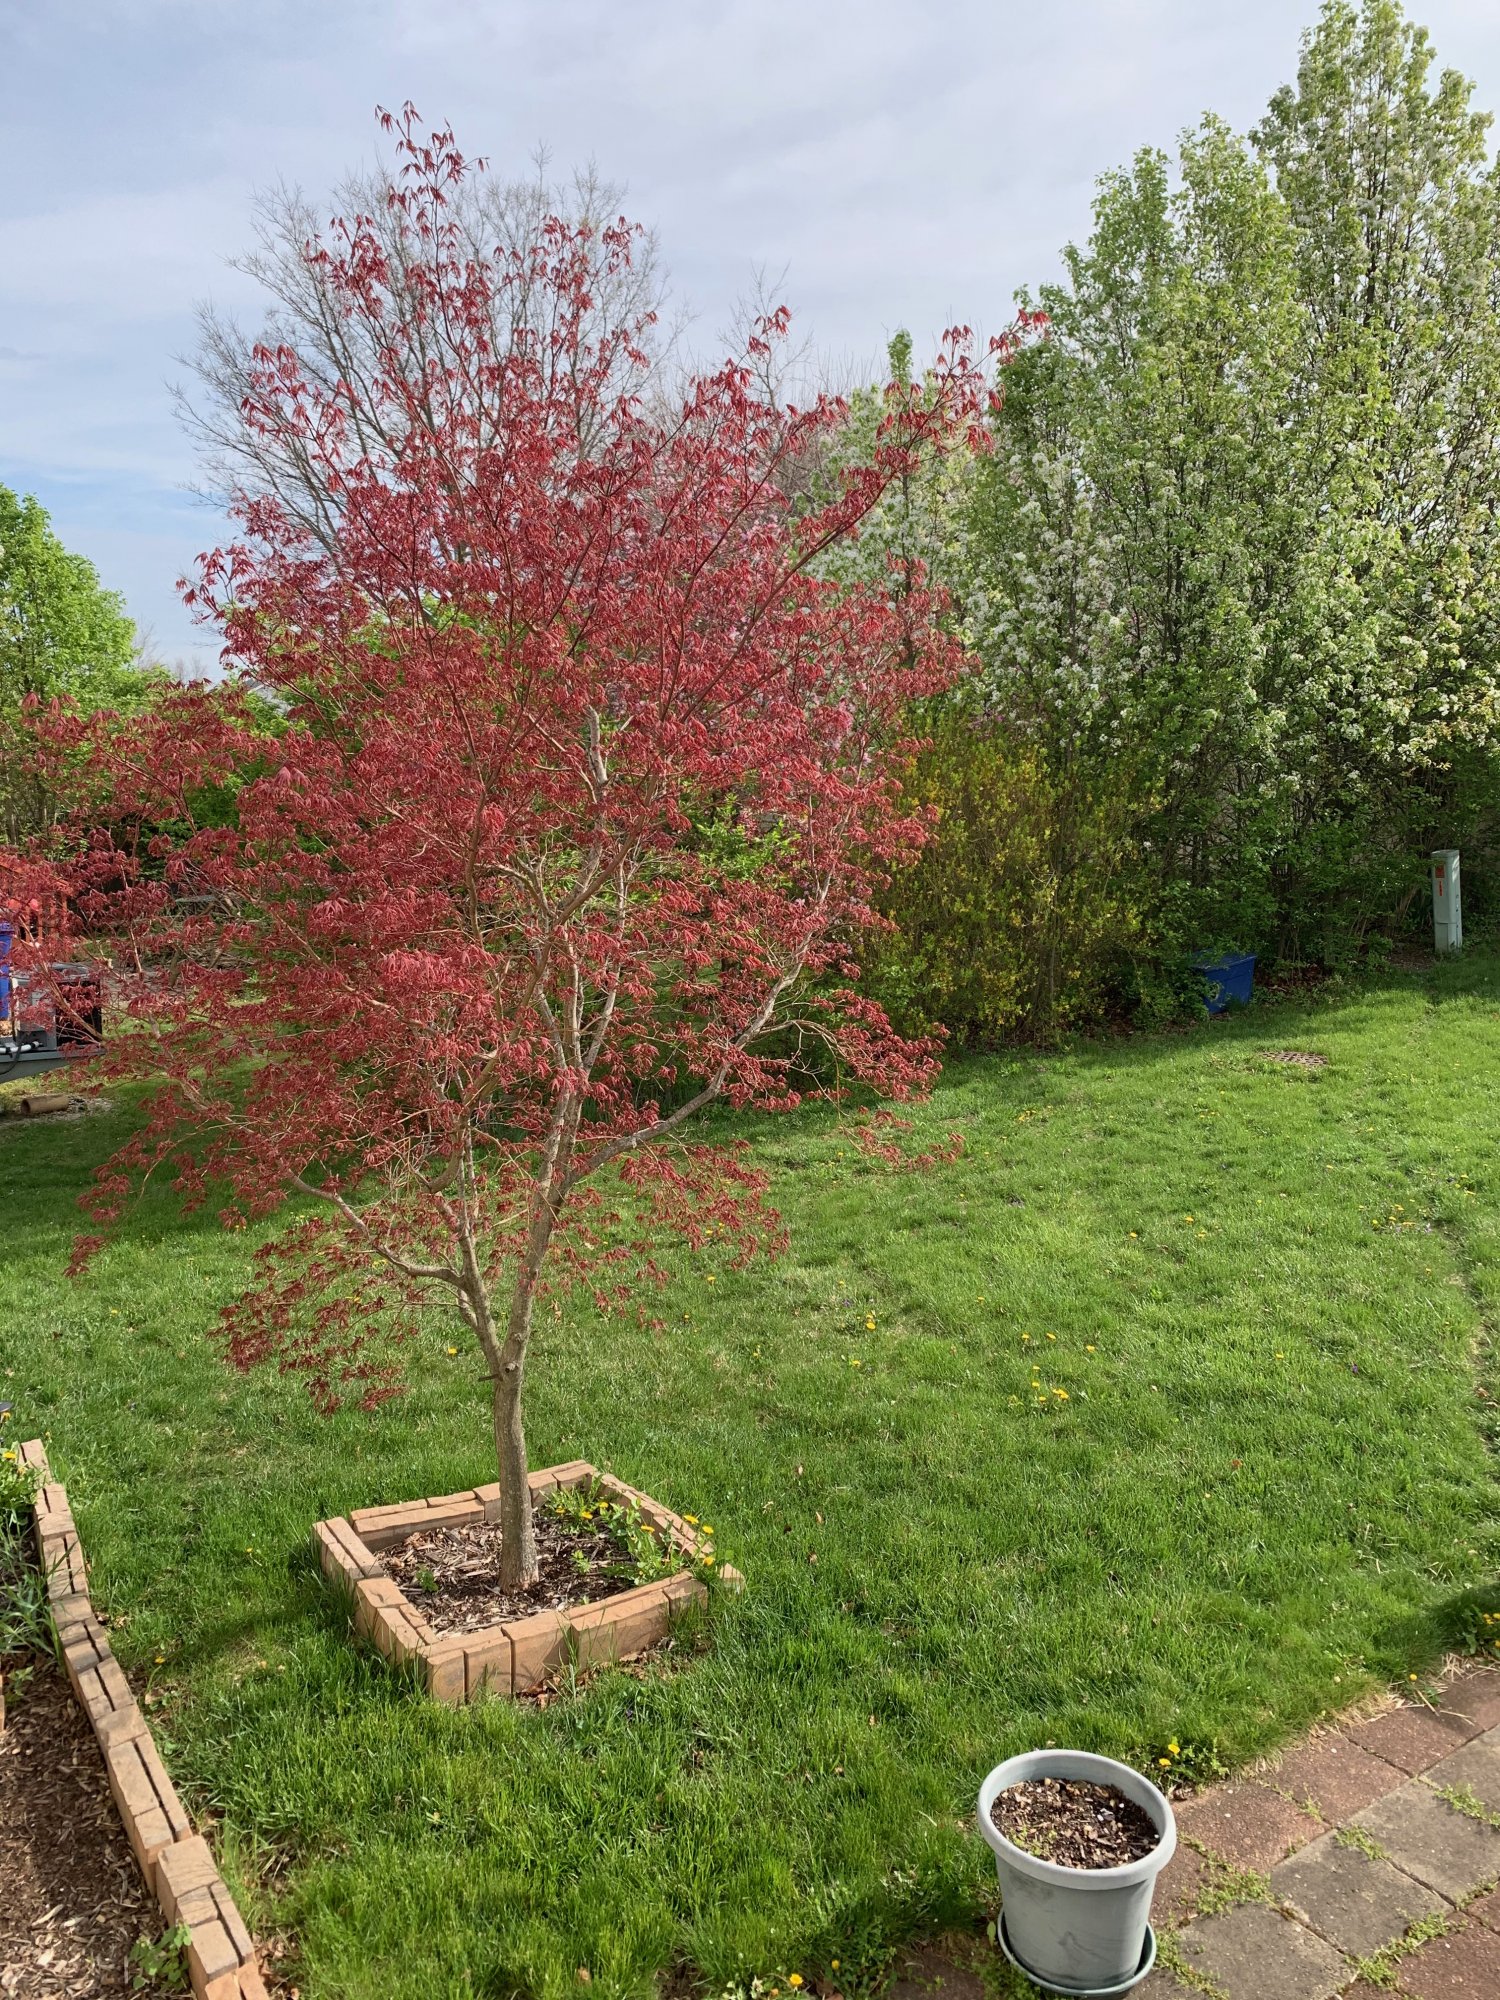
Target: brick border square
{"x":519,"y":1654}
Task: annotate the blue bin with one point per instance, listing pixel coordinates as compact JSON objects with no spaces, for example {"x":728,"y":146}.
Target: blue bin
{"x":1227,"y":981}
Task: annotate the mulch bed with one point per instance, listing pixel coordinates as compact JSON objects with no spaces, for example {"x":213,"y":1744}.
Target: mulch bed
{"x":72,"y":1901}
{"x":1074,"y":1823}
{"x":452,"y":1575}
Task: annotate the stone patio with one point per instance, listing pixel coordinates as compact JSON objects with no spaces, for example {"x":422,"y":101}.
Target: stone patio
{"x":1362,"y":1863}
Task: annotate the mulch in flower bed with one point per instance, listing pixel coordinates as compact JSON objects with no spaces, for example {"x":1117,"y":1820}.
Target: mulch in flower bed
{"x":452,"y":1575}
{"x":72,"y":1902}
{"x":1074,"y":1823}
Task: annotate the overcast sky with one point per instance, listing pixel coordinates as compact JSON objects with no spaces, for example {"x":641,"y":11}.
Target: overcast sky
{"x":908,"y":164}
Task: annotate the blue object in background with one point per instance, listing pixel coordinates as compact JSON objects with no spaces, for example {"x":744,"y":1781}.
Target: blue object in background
{"x":1227,"y":981}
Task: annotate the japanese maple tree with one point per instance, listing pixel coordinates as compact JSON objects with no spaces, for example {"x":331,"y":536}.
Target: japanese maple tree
{"x":578,"y":778}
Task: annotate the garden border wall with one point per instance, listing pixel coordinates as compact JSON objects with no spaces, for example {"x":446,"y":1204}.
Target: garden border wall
{"x":178,"y":1864}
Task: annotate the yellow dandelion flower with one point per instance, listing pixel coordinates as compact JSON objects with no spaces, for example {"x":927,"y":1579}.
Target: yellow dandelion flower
{"x":1164,"y":1762}
{"x":794,"y":1979}
{"x":1172,"y":1747}
{"x":691,"y":1519}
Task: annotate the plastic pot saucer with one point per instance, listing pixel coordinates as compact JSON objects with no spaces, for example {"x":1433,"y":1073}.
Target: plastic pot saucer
{"x":1147,"y":1960}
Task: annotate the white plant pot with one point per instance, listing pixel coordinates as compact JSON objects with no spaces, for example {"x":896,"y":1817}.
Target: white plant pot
{"x":1077,"y":1930}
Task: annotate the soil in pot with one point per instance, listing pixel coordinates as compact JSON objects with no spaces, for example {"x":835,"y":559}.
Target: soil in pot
{"x":452,"y":1575}
{"x":1075,"y":1823}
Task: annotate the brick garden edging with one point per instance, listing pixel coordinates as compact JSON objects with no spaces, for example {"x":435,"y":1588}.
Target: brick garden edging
{"x":519,"y":1655}
{"x":177,"y":1863}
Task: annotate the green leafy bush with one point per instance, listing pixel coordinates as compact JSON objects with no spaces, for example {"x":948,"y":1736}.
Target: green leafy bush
{"x":1024,"y":916}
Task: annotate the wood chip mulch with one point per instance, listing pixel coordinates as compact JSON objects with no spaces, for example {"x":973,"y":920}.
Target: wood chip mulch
{"x":1074,"y":1823}
{"x":452,"y":1575}
{"x":72,"y":1902}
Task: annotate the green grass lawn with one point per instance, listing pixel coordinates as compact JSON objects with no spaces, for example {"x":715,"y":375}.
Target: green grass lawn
{"x":1264,"y":1292}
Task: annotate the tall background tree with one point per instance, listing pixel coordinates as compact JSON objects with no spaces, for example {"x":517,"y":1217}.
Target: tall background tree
{"x":62,"y":635}
{"x":1229,"y":571}
{"x":497,"y":223}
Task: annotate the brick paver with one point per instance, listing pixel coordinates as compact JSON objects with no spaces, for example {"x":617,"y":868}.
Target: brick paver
{"x":1464,"y":1964}
{"x":1254,"y":1952}
{"x":1475,"y":1768}
{"x":1446,"y":1849}
{"x":1333,"y":1774}
{"x":1412,"y":1738}
{"x":1358,"y":1903}
{"x":1475,"y":1696}
{"x":1248,"y":1824}
{"x":1486,"y":1909}
{"x":1178,"y":1886}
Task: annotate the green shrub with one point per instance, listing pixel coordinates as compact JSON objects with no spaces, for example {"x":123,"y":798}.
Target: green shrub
{"x":1023,"y":918}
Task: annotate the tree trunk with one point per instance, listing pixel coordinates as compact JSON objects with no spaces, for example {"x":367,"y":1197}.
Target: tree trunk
{"x":518,"y":1559}
{"x":506,"y":1359}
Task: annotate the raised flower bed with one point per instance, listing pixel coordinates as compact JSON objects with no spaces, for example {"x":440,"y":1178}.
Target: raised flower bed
{"x":421,"y":1575}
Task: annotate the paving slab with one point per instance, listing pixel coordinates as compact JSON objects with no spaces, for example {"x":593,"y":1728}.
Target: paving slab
{"x":1247,"y":1824}
{"x":1252,"y":1953}
{"x":1358,"y":1904}
{"x":1427,"y":1838}
{"x":1475,"y":1768}
{"x":1475,"y":1695}
{"x":1413,"y":1738}
{"x":1462,"y":1965}
{"x":1177,"y":1887}
{"x":1336,"y":1774}
{"x":1486,"y":1909}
